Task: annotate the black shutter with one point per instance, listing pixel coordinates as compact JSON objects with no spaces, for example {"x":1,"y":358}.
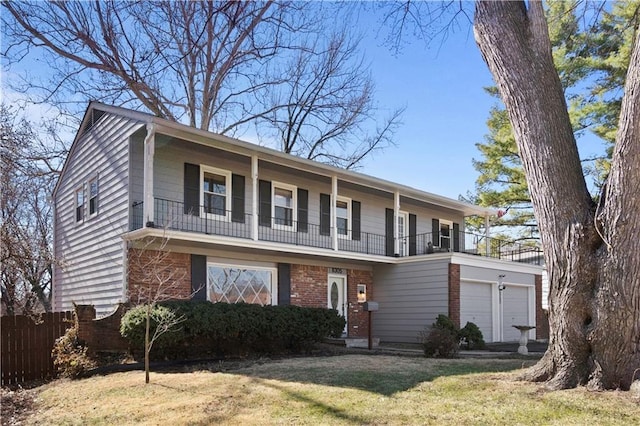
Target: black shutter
{"x":325,"y":214}
{"x":284,"y":284}
{"x":303,"y":210}
{"x":435,"y":232}
{"x":264,"y":202}
{"x":192,"y":189}
{"x":456,"y":237}
{"x":388,"y":232}
{"x":412,"y":234}
{"x":355,"y":220}
{"x":237,"y":198}
{"x":198,"y":277}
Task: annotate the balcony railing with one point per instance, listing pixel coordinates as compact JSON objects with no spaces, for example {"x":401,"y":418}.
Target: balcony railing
{"x":173,"y":215}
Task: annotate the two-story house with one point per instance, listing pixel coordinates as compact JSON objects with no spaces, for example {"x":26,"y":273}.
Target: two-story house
{"x":245,"y":223}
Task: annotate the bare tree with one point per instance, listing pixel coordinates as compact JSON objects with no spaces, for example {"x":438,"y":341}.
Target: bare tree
{"x":30,"y":162}
{"x":326,"y":104}
{"x":590,"y":249}
{"x":154,"y":278}
{"x":218,"y":65}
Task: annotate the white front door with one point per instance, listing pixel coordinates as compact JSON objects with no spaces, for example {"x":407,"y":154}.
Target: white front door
{"x":337,"y":295}
{"x":403,"y":234}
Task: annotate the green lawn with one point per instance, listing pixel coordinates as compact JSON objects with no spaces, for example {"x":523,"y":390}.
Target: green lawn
{"x":348,"y":389}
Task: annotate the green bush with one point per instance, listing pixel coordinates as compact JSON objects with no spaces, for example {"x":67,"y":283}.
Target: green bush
{"x":224,"y":329}
{"x":133,"y":324}
{"x":471,"y":335}
{"x":443,"y":338}
{"x":440,"y":343}
{"x":70,"y":355}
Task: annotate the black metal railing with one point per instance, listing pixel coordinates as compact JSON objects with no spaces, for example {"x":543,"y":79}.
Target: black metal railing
{"x":173,"y":215}
{"x":469,"y":243}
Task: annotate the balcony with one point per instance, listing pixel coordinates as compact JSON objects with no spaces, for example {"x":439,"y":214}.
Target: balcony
{"x":172,"y":215}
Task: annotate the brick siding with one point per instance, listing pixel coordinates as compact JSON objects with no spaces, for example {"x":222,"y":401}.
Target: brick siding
{"x":454,"y":293}
{"x":309,"y":289}
{"x":148,"y":269}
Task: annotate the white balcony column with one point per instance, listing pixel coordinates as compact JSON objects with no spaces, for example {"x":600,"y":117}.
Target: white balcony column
{"x":396,"y":215}
{"x":254,"y":199}
{"x":334,"y":221}
{"x":486,"y":234}
{"x":147,"y":191}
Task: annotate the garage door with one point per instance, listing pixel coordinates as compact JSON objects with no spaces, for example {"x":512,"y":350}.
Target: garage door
{"x":475,"y":307}
{"x":515,"y":311}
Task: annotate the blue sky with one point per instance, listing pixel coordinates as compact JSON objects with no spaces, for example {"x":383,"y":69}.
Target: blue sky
{"x":446,"y":112}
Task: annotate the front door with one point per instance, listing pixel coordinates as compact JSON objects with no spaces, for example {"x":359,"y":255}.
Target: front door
{"x":337,"y":296}
{"x":403,"y":234}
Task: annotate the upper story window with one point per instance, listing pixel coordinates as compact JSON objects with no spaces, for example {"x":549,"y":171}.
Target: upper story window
{"x":93,"y":196}
{"x":284,"y":205}
{"x":446,"y":228}
{"x":216,"y":199}
{"x":343,"y":213}
{"x":79,"y":204}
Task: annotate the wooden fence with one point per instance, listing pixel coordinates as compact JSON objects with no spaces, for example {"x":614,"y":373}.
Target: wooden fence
{"x":27,"y":344}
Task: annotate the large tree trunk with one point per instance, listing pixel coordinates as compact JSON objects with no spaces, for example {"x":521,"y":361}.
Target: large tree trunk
{"x":591,"y":252}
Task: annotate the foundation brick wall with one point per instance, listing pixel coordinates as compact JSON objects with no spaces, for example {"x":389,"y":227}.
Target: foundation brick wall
{"x":309,"y":289}
{"x":149,"y":268}
{"x":542,"y":319}
{"x":454,"y":293}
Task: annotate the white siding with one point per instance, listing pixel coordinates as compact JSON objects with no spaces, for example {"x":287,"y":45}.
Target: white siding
{"x":411,"y":296}
{"x":171,"y":154}
{"x":89,"y":267}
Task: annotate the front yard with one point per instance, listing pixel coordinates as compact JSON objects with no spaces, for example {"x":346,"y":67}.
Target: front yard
{"x":347,"y":389}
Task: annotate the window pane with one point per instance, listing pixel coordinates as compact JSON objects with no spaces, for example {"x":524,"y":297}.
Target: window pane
{"x":214,"y":204}
{"x":342,"y":226}
{"x":216,"y":184}
{"x":233,"y":285}
{"x":283,"y":197}
{"x":283,"y":216}
{"x":93,"y":188}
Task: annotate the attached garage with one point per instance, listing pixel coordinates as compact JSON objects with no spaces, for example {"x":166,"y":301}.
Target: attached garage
{"x":495,"y":312}
{"x":476,"y":306}
{"x":515,"y":311}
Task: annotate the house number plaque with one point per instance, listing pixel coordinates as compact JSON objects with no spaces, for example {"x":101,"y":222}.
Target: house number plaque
{"x":338,"y":271}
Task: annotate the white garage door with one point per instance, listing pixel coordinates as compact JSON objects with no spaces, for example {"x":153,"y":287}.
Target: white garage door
{"x":475,"y":307}
{"x":515,"y":311}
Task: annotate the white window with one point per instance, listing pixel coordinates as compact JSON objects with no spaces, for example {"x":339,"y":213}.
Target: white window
{"x":79,"y":204}
{"x":216,"y":192}
{"x":284,"y":205}
{"x":446,"y":230}
{"x":343,"y":215}
{"x":93,"y":196}
{"x":241,"y":284}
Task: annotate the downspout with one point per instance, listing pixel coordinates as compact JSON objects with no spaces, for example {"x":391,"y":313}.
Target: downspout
{"x":149,"y":152}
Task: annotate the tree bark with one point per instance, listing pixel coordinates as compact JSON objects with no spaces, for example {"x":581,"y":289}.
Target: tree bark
{"x":594,"y":290}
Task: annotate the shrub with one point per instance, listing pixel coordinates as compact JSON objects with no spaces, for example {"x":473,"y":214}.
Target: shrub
{"x":133,"y":324}
{"x":235,"y":329}
{"x":440,"y":343}
{"x":70,"y":355}
{"x":441,"y":339}
{"x":472,"y":336}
